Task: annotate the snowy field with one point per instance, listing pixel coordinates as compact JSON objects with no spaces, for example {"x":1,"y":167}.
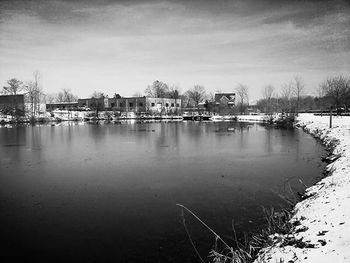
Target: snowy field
{"x":325,"y":216}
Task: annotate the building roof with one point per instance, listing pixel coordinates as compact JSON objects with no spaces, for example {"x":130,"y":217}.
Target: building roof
{"x":61,"y":103}
{"x":225,"y":97}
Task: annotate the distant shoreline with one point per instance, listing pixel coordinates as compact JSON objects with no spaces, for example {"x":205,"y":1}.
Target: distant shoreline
{"x":86,"y":117}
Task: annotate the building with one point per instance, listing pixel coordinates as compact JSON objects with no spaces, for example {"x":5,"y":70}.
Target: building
{"x":71,"y":106}
{"x":92,"y":103}
{"x":225,"y":99}
{"x":224,"y":103}
{"x":12,"y":104}
{"x":144,"y":105}
{"x":138,"y":105}
{"x":127,"y":104}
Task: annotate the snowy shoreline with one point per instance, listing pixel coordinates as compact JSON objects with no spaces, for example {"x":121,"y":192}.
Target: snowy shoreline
{"x":325,"y":215}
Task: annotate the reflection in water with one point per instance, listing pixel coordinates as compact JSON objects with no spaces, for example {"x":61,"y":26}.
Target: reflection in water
{"x":11,"y":138}
{"x":108,"y":192}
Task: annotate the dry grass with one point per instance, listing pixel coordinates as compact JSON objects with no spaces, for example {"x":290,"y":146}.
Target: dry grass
{"x":277,"y":222}
{"x":278,"y":228}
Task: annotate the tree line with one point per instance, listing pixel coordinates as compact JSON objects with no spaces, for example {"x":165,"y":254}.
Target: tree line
{"x":331,"y":94}
{"x":290,"y":97}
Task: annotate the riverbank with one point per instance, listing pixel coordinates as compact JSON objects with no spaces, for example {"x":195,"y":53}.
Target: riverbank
{"x":323,"y":219}
{"x":59,"y":116}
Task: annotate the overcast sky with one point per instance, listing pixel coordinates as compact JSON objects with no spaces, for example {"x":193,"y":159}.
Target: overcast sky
{"x":122,"y":46}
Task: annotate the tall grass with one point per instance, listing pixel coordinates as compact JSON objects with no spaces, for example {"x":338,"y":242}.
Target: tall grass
{"x":277,"y":225}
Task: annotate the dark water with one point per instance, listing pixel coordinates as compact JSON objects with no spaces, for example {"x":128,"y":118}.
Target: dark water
{"x":107,"y":193}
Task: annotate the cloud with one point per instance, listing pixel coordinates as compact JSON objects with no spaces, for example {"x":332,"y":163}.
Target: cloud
{"x":128,"y":43}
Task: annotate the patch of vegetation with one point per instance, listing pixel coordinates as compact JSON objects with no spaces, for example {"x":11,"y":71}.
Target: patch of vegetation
{"x":277,"y":227}
{"x":280,"y":229}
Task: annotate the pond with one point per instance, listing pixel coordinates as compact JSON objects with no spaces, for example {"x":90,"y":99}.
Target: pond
{"x":108,"y":193}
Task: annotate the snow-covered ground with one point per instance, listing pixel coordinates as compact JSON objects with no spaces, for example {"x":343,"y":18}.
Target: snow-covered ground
{"x":325,"y":216}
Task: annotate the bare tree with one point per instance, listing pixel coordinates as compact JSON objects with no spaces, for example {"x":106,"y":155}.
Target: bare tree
{"x":286,"y":91}
{"x":59,"y":97}
{"x":49,"y":98}
{"x":242,"y":93}
{"x":14,"y":86}
{"x":286,"y":94}
{"x":174,"y":93}
{"x":97,"y":95}
{"x":337,"y":89}
{"x":197,"y":94}
{"x":34,"y":93}
{"x":268,"y":93}
{"x":298,"y":89}
{"x":321,"y":92}
{"x":66,"y":96}
{"x":158,"y":89}
{"x":96,"y":103}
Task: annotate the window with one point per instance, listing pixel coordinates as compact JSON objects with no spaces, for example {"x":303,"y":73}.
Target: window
{"x":112,"y":105}
{"x":152,"y":104}
{"x":166,"y":104}
{"x":140,"y":104}
{"x":177,"y":105}
{"x":131,"y":104}
{"x":172,"y":104}
{"x":121,"y":105}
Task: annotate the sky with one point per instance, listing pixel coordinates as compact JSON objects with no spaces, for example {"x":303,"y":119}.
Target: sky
{"x":123,"y":46}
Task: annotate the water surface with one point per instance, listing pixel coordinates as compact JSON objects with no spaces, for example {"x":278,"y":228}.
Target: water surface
{"x":107,"y":193}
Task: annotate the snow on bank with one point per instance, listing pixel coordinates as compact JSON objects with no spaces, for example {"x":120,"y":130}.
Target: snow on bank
{"x":325,"y":216}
